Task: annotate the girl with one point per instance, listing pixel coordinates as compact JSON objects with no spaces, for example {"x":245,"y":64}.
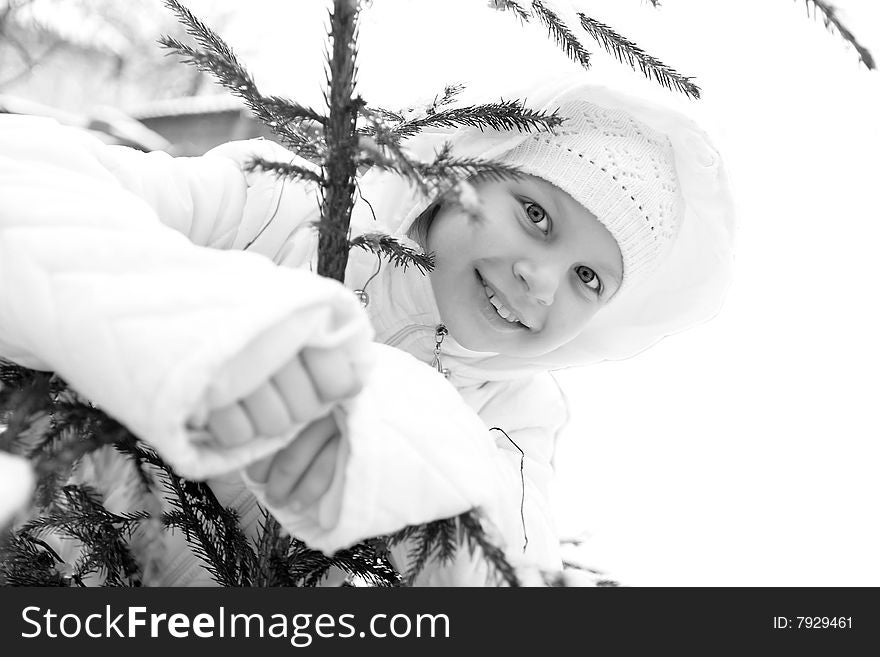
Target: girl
{"x":319,"y":399}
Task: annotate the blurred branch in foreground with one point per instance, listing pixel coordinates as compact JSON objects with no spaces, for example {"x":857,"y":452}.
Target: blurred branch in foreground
{"x":834,"y":24}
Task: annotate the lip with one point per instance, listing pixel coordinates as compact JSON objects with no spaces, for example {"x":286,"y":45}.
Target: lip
{"x":521,"y":325}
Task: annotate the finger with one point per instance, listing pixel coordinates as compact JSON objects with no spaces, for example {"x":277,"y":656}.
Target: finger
{"x":267,"y":411}
{"x":299,"y":395}
{"x":230,"y":425}
{"x":331,"y":373}
{"x":290,"y":463}
{"x":317,"y":478}
{"x":258,"y":471}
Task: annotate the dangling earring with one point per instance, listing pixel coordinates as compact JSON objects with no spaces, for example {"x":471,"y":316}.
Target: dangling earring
{"x":361,"y":293}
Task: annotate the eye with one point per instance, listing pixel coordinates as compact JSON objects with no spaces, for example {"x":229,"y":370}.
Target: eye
{"x":589,"y":278}
{"x":537,"y":215}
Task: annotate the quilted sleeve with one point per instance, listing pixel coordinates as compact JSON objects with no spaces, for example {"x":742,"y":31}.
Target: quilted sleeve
{"x":153,"y":329}
{"x":413,"y":452}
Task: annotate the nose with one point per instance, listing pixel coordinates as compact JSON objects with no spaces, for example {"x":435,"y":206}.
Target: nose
{"x":539,"y":280}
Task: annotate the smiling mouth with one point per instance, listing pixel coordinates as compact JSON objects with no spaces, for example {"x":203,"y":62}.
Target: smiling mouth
{"x":501,"y":310}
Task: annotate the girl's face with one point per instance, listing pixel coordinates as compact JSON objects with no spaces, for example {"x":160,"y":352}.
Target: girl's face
{"x":525,"y":276}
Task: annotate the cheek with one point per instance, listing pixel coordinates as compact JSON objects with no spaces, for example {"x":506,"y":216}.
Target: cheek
{"x":570,"y":318}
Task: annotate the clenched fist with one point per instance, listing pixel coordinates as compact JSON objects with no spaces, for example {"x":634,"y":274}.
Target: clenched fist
{"x":301,"y":390}
{"x":299,"y":474}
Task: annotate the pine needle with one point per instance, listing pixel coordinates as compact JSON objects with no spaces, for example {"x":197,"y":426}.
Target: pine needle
{"x":560,"y":32}
{"x":503,"y":115}
{"x":395,"y":252}
{"x":282,"y":116}
{"x":834,"y":24}
{"x":513,"y":7}
{"x":284,"y":170}
{"x":628,"y":52}
{"x":471,"y":531}
{"x":445,"y":169}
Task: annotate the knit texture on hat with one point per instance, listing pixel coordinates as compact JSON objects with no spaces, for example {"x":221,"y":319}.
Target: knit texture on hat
{"x":620,"y":170}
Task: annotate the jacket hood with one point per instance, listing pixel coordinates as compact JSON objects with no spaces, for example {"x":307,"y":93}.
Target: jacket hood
{"x":687,"y":287}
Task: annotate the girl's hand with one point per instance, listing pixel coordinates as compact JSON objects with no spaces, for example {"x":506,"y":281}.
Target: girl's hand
{"x":304,"y":387}
{"x":302,"y":472}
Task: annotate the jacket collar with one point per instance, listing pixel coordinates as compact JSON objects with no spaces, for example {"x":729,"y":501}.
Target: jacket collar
{"x":404,"y":314}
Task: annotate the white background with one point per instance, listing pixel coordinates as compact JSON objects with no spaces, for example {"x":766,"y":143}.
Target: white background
{"x":744,"y":451}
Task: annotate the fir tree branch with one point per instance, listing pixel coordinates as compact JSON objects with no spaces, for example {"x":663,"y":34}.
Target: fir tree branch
{"x":437,"y":538}
{"x":628,"y":52}
{"x":442,"y":539}
{"x":562,"y":34}
{"x":450,"y":93}
{"x":446,"y":168}
{"x":434,"y":178}
{"x":103,"y":534}
{"x":503,"y":115}
{"x":24,"y":394}
{"x":381,"y":116}
{"x":513,"y":7}
{"x":285,"y":170}
{"x":393,"y":251}
{"x":29,"y":561}
{"x":211,"y":530}
{"x":471,"y":530}
{"x":272,"y":565}
{"x":281,"y":115}
{"x":383,"y":149}
{"x":834,"y":24}
{"x":308,"y":567}
{"x":341,"y":140}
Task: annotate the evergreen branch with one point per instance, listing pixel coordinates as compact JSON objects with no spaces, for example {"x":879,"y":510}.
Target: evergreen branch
{"x":446,"y":168}
{"x":239,"y":82}
{"x":628,"y":52}
{"x":340,"y":165}
{"x":211,"y":530}
{"x":834,"y":24}
{"x":513,"y":7}
{"x":282,"y":116}
{"x":432,"y":178}
{"x":471,"y":530}
{"x":442,"y":539}
{"x":23,"y":395}
{"x":383,"y":149}
{"x":450,"y":93}
{"x":435,"y":539}
{"x":272,"y":564}
{"x":395,"y":252}
{"x":103,"y":534}
{"x":29,"y":561}
{"x":503,"y":115}
{"x":562,"y":34}
{"x":77,"y":429}
{"x":285,"y":170}
{"x":362,"y":560}
{"x":385,"y":114}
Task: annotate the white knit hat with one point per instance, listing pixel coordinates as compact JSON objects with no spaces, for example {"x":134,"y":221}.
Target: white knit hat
{"x":619,"y":169}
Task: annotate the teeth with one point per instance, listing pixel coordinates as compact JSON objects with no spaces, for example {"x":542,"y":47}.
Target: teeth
{"x":500,"y":308}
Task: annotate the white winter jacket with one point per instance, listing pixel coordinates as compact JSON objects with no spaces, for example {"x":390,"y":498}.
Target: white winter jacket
{"x":105,"y":279}
{"x":99,"y":285}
